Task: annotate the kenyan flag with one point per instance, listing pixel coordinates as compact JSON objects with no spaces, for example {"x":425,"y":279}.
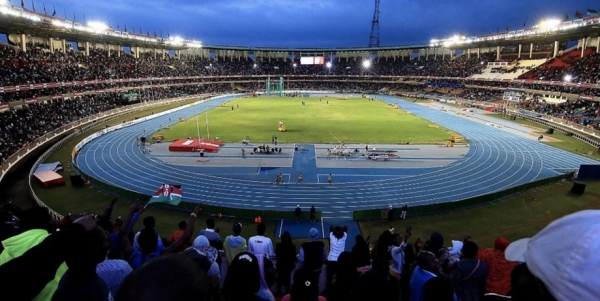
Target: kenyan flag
{"x":169,"y":194}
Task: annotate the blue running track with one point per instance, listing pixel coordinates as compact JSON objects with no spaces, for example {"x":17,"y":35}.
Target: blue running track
{"x":496,"y":160}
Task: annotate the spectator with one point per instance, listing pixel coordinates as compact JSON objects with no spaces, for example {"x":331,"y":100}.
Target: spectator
{"x":262,"y":248}
{"x":286,"y":262}
{"x":173,"y":277}
{"x":204,"y":252}
{"x":35,"y":222}
{"x":177,"y":235}
{"x":304,"y":287}
{"x":470,"y":276}
{"x":234,"y":244}
{"x":213,"y":235}
{"x":438,"y":289}
{"x":75,"y":244}
{"x":298,"y":213}
{"x":498,"y":281}
{"x":546,"y":275}
{"x":337,"y":245}
{"x":243,"y":279}
{"x":260,"y":245}
{"x":435,"y":245}
{"x":427,"y":268}
{"x":360,"y":252}
{"x":149,"y":223}
{"x":312,"y":254}
{"x":346,"y":279}
{"x":148,"y":240}
{"x":313,"y":214}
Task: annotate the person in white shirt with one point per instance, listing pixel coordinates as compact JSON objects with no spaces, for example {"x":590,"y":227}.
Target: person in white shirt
{"x":337,"y":245}
{"x":259,"y":244}
{"x":397,"y":264}
{"x":262,"y":248}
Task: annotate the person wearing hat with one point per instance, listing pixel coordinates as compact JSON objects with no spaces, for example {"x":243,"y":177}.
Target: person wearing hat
{"x":500,"y":269}
{"x":234,"y":244}
{"x":390,"y":213}
{"x":312,"y":254}
{"x":557,"y":264}
{"x":298,"y":213}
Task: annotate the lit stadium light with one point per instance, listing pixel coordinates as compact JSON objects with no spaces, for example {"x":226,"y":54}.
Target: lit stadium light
{"x":97,"y":26}
{"x":568,"y":78}
{"x":328,"y":64}
{"x":366,"y":64}
{"x":549,"y":24}
{"x":456,"y":38}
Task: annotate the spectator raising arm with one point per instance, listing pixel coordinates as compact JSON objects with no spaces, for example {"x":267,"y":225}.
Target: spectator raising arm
{"x":38,"y":265}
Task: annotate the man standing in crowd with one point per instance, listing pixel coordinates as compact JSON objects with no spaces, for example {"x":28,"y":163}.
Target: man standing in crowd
{"x":260,"y":245}
{"x":404,"y":211}
{"x":313,"y":254}
{"x":298,"y":213}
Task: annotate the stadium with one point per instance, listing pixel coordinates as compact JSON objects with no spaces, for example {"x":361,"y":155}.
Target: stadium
{"x":494,"y":130}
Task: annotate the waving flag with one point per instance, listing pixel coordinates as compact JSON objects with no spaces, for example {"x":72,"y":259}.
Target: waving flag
{"x":168,"y":194}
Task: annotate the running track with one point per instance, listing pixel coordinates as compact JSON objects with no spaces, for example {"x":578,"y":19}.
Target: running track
{"x":496,"y":160}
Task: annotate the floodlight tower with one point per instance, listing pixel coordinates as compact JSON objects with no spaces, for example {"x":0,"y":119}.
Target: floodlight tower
{"x":374,"y":37}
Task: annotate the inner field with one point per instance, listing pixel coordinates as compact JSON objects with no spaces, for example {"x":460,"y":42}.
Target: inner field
{"x":324,"y":119}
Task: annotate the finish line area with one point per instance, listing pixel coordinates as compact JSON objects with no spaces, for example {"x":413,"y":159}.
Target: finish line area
{"x":313,"y":161}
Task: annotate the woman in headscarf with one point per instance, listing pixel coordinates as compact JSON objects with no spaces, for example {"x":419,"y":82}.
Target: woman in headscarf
{"x":243,"y":279}
{"x":286,"y":262}
{"x":201,"y":246}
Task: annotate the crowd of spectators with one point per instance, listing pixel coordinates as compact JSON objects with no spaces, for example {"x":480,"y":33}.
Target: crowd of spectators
{"x":97,"y":257}
{"x":582,"y":112}
{"x":40,"y":65}
{"x":24,"y":125}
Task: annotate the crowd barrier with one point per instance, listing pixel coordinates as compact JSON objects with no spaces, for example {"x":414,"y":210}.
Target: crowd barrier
{"x":466,"y":203}
{"x":578,"y":131}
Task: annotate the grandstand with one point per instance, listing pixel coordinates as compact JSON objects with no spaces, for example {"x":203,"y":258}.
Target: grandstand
{"x":61,"y":78}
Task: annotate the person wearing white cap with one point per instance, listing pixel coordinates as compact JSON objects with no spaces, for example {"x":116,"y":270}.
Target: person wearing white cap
{"x":561,"y":261}
{"x":298,"y":213}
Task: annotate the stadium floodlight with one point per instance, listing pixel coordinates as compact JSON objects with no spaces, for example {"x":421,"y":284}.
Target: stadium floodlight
{"x":60,"y":23}
{"x":176,"y":40}
{"x":568,"y":78}
{"x":550,"y":24}
{"x":366,"y":64}
{"x":328,"y":65}
{"x":97,"y":26}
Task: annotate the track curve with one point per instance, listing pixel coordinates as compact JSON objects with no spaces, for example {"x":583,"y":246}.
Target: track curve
{"x":496,"y":160}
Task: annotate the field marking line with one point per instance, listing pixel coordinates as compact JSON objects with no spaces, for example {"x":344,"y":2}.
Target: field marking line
{"x":280,"y":228}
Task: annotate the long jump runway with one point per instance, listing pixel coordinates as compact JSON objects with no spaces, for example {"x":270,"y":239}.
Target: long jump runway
{"x":495,"y":160}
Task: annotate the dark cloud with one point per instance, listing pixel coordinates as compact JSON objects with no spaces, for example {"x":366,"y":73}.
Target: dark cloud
{"x":313,"y":23}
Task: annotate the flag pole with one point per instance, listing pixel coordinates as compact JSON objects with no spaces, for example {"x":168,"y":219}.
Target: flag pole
{"x":207,"y":132}
{"x":198,"y":130}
